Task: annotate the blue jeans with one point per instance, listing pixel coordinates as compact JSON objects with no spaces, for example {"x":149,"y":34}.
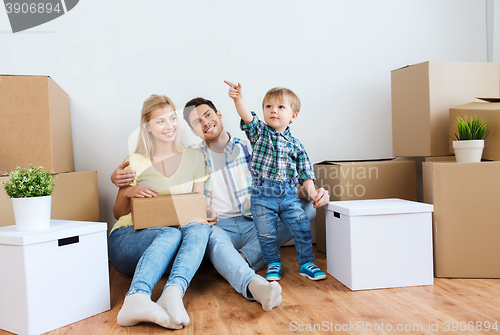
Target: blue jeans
{"x":148,"y":253}
{"x":239,"y":234}
{"x":272,"y":199}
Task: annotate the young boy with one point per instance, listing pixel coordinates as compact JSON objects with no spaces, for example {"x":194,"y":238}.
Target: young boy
{"x":279,"y":162}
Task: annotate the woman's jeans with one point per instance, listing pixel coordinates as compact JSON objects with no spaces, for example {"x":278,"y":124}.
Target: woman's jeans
{"x":271,"y":200}
{"x":146,"y":254}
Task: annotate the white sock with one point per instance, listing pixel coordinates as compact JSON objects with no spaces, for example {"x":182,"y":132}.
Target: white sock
{"x":268,"y":294}
{"x":171,"y":300}
{"x":138,"y":307}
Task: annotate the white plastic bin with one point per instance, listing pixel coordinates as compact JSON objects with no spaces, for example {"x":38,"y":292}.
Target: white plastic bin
{"x":382,"y":243}
{"x":53,"y":277}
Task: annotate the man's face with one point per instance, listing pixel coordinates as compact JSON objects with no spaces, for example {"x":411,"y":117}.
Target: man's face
{"x":206,"y":123}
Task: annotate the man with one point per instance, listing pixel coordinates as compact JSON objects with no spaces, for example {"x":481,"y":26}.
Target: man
{"x":233,"y":247}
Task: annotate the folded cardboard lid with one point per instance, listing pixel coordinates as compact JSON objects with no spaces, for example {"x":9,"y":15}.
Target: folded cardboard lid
{"x":58,"y":229}
{"x":357,"y":161}
{"x":378,"y":207}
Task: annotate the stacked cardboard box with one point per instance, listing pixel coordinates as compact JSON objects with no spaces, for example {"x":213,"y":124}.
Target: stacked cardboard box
{"x":35,"y":127}
{"x":357,"y":180}
{"x":424,"y":97}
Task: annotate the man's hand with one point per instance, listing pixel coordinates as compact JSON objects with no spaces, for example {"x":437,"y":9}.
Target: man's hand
{"x":121,"y":177}
{"x":321,"y":198}
{"x":211,"y":215}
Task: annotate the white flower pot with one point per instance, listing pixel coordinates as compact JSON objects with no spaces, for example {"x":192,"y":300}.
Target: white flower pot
{"x":468,"y":151}
{"x":32,"y":213}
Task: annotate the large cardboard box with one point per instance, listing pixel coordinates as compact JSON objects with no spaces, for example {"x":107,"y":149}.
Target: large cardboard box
{"x":167,"y":210}
{"x":422,"y":95}
{"x":52,"y":277}
{"x":35,"y":124}
{"x":75,"y":197}
{"x":379,"y":243}
{"x":466,"y":217}
{"x":356,"y":180}
{"x":490,"y":112}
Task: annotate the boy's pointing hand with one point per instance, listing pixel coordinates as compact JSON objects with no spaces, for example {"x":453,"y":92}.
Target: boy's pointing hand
{"x":234,"y":90}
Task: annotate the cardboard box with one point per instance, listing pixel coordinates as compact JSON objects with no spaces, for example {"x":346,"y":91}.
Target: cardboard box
{"x":466,"y":225}
{"x":380,"y":243}
{"x":35,"y":124}
{"x":167,"y":210}
{"x":356,"y":180}
{"x":490,"y":112}
{"x":53,"y":277}
{"x":75,"y":197}
{"x":422,"y":95}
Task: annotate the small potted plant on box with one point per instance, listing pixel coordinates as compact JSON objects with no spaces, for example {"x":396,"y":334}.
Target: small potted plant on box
{"x":470,"y":134}
{"x":31,"y":193}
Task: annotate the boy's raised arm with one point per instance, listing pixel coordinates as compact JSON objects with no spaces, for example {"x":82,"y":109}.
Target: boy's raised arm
{"x":236,"y":94}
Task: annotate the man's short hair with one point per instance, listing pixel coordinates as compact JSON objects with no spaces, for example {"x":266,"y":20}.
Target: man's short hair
{"x":192,"y":104}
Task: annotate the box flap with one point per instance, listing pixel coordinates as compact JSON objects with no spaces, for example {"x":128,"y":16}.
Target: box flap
{"x":336,"y":162}
{"x":58,"y":229}
{"x":489,"y":99}
{"x":378,"y":207}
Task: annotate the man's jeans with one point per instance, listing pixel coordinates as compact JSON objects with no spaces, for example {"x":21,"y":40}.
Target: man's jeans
{"x":239,"y":234}
{"x":272,"y":199}
{"x":147,"y":254}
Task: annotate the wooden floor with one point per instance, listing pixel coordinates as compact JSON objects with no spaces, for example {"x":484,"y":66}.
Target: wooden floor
{"x":450,"y":306}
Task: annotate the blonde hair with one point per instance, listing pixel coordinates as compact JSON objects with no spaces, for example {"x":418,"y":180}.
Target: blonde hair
{"x":146,"y":143}
{"x":278,"y":93}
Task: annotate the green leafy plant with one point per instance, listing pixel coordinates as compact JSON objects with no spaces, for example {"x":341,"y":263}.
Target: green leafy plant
{"x":31,"y":182}
{"x":470,"y":128}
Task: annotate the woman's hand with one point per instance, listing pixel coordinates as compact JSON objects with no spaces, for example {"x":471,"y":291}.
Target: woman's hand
{"x":211,"y":215}
{"x":140,"y":192}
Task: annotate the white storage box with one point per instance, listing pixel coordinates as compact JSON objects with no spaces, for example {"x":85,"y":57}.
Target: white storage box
{"x":380,"y":243}
{"x":53,"y":277}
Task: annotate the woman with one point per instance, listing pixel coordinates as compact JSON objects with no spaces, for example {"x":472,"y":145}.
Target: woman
{"x":163,"y":166}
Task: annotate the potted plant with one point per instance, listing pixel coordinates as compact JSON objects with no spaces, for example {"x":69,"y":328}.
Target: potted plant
{"x":31,"y":193}
{"x":470,"y":134}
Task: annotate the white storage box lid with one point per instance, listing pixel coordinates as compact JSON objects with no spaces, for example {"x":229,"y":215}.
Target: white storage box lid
{"x":378,"y":207}
{"x":59,"y":229}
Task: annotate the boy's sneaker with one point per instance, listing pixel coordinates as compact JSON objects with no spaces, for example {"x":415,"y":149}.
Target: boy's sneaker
{"x":274,"y":271}
{"x":311,"y":271}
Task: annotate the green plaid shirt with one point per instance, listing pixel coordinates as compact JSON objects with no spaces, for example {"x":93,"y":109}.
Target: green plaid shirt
{"x":276,"y":156}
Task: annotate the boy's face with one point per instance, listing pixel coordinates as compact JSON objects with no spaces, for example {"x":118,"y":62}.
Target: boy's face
{"x":206,"y":123}
{"x":278,"y":113}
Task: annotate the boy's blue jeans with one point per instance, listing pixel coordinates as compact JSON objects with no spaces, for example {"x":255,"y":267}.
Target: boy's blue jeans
{"x":149,"y":253}
{"x":272,"y":199}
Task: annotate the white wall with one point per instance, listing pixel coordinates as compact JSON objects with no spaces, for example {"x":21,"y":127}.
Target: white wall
{"x":336,"y":55}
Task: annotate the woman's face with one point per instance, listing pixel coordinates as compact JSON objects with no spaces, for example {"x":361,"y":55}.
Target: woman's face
{"x":163,"y":124}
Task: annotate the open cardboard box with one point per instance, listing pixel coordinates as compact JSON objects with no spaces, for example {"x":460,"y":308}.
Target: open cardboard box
{"x":422,"y":95}
{"x":167,"y":210}
{"x":364,"y":179}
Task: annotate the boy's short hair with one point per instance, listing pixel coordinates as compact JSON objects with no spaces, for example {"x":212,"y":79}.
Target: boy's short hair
{"x":278,"y":93}
{"x":192,"y":104}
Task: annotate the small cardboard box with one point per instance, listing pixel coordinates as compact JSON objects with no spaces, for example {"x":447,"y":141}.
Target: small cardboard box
{"x":52,"y":277}
{"x":490,"y":112}
{"x":75,"y":197}
{"x":356,"y":180}
{"x":379,"y":243}
{"x":422,"y":95}
{"x":466,"y":225}
{"x":35,"y":124}
{"x":167,"y":210}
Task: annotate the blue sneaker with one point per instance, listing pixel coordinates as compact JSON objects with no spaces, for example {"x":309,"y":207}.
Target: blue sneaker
{"x":311,"y":271}
{"x":274,"y":271}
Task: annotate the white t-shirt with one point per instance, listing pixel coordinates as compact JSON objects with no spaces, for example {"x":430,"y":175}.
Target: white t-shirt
{"x":223,"y":201}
